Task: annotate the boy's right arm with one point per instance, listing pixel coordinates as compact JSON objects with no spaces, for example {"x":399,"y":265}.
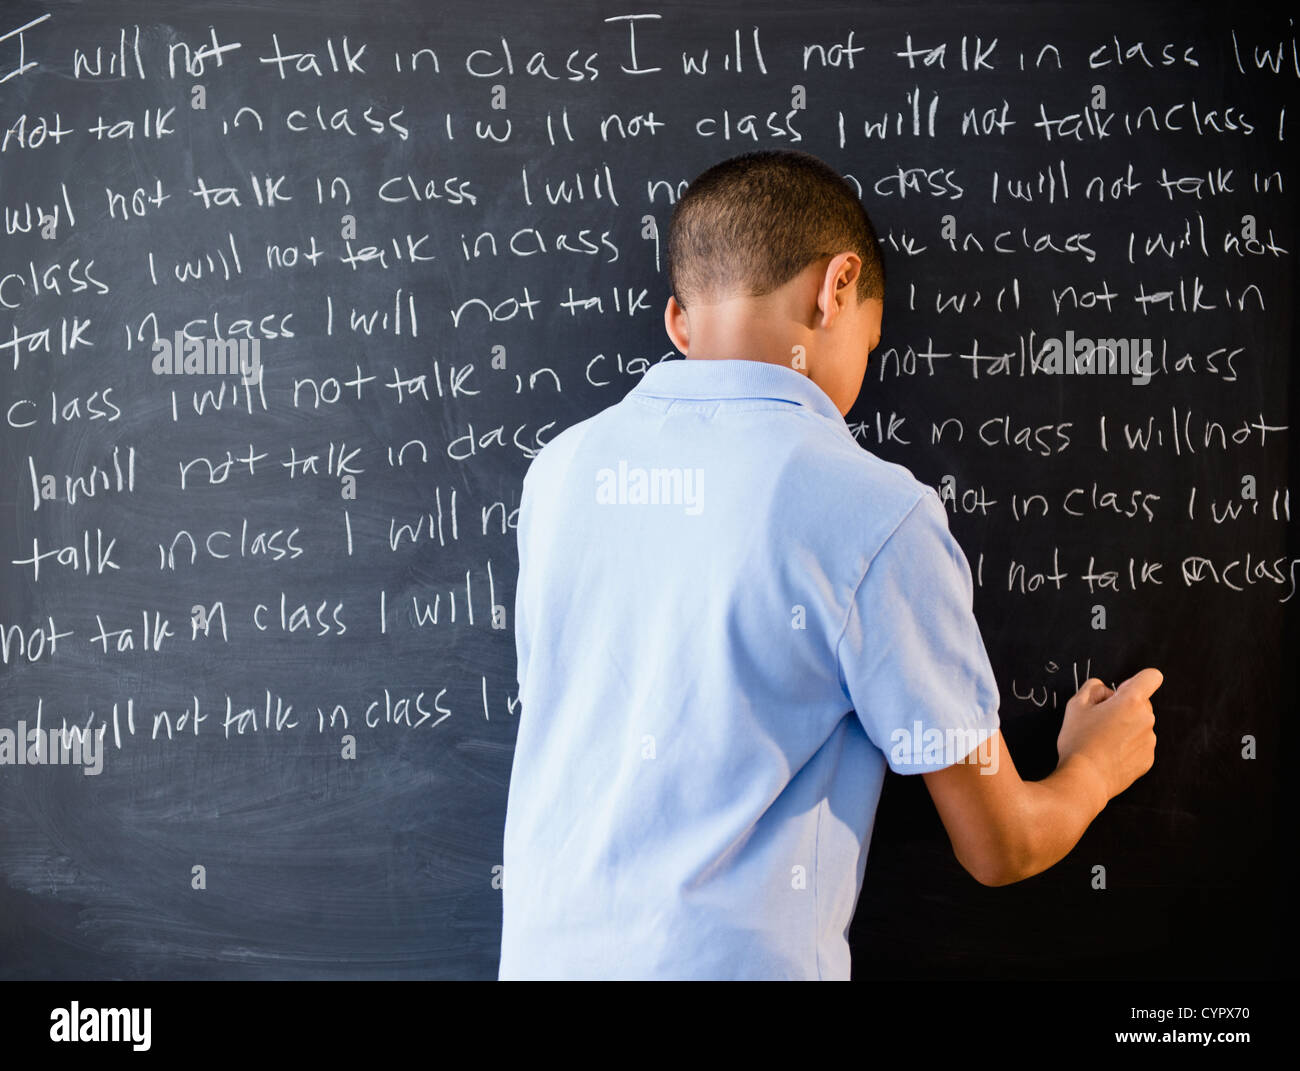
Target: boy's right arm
{"x":1004,"y":829}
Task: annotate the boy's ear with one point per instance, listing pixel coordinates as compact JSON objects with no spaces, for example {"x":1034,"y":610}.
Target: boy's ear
{"x":838,"y":285}
{"x":677,"y":325}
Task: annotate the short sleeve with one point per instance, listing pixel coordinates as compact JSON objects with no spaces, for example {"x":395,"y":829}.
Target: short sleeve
{"x":911,"y":657}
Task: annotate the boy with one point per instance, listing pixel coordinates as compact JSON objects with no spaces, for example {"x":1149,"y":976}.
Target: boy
{"x":730,"y":619}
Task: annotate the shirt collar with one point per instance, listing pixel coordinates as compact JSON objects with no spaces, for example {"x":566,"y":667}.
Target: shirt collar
{"x":704,"y":379}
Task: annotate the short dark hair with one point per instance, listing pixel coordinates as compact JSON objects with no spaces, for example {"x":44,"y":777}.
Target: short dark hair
{"x":751,"y":223}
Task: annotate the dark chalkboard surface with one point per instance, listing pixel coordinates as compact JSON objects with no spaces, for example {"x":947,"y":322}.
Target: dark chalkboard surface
{"x":283,"y":601}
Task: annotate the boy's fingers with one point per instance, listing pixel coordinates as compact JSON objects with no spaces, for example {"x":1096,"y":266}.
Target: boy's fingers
{"x":1143,"y":682}
{"x":1093,"y":692}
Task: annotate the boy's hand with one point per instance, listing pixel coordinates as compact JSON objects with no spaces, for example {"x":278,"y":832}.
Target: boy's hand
{"x":1113,"y":731}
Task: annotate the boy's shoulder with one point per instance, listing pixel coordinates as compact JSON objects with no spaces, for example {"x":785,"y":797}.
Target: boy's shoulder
{"x":864,"y":468}
{"x":865,"y":492}
{"x":562,"y":446}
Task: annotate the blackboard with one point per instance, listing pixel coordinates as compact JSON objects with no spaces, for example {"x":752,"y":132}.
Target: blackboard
{"x":286,"y":603}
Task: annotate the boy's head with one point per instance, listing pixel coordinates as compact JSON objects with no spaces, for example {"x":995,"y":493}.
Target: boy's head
{"x":772,"y":257}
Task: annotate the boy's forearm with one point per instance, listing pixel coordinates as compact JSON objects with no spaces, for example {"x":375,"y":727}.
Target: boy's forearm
{"x":1056,"y":812}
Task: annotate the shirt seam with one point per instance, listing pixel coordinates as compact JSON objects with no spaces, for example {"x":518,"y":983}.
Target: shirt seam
{"x":809,"y":405}
{"x":648,"y":399}
{"x":817,"y":914}
{"x":798,"y":408}
{"x":853,"y":597}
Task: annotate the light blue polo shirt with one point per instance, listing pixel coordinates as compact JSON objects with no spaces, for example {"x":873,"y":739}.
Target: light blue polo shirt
{"x":730,"y":619}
